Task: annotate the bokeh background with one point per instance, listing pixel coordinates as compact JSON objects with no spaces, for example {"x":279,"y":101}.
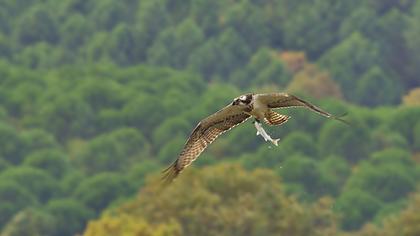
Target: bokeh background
{"x":98,"y":96}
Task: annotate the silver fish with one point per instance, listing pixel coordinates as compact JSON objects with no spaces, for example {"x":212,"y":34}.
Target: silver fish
{"x":263,"y":133}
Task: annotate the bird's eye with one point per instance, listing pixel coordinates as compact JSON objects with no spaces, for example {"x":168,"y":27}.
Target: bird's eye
{"x":243,"y":98}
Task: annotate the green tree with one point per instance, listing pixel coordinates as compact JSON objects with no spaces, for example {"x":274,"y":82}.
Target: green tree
{"x":364,"y":54}
{"x":311,"y":25}
{"x":220,"y":56}
{"x":70,"y":181}
{"x":37,"y":139}
{"x":152,"y":16}
{"x":20,"y":100}
{"x":171,"y":149}
{"x":233,"y":51}
{"x":13,"y":198}
{"x":388,"y":5}
{"x":138,"y":172}
{"x":417,"y":136}
{"x":108,"y":119}
{"x":173,"y":45}
{"x":75,"y":31}
{"x":239,"y":141}
{"x":38,"y":55}
{"x":404,"y":120}
{"x":188,"y":36}
{"x":42,"y":185}
{"x":3,"y":164}
{"x":10,"y":144}
{"x":5,"y":45}
{"x":30,"y":222}
{"x":388,"y":32}
{"x":204,"y":59}
{"x":170,"y":129}
{"x":52,"y":161}
{"x":334,"y":173}
{"x":126,"y":46}
{"x":387,"y":182}
{"x":143,"y":112}
{"x":367,"y":91}
{"x":67,"y":116}
{"x":98,"y":191}
{"x":4,"y":25}
{"x":302,"y":170}
{"x":335,"y":138}
{"x":356,"y":208}
{"x":404,"y":223}
{"x":206,"y":14}
{"x":37,"y":25}
{"x":411,"y":34}
{"x":299,"y":142}
{"x":101,"y":93}
{"x":361,"y":19}
{"x":222,"y":200}
{"x":263,"y":68}
{"x":264,"y":157}
{"x":392,"y":156}
{"x":96,"y":48}
{"x":388,"y":139}
{"x":249,"y":22}
{"x":106,"y":14}
{"x":114,"y":151}
{"x":70,"y":216}
{"x":77,"y":6}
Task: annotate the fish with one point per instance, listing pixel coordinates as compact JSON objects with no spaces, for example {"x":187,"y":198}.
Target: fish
{"x":263,"y":133}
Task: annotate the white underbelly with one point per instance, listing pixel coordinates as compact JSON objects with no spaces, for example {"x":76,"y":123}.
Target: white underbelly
{"x":259,"y":109}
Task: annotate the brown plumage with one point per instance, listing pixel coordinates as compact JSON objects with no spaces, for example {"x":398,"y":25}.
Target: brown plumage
{"x":203,"y":135}
{"x":257,"y":105}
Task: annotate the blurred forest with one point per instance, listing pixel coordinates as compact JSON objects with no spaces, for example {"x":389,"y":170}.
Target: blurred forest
{"x":98,"y":96}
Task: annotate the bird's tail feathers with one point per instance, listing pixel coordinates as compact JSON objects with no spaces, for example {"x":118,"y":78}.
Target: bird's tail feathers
{"x":275,"y":141}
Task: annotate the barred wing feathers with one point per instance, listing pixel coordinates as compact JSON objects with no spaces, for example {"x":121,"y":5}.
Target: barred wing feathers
{"x":203,"y":135}
{"x":284,"y":100}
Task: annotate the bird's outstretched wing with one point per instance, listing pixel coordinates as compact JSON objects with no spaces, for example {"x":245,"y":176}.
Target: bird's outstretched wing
{"x":204,"y":134}
{"x":279,"y":100}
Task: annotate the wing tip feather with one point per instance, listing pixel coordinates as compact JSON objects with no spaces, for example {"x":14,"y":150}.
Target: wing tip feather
{"x":340,"y":118}
{"x":170,"y":173}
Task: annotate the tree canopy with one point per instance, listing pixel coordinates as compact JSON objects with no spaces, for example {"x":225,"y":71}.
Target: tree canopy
{"x":98,"y":96}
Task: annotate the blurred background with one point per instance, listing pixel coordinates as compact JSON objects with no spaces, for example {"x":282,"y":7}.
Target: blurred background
{"x":98,"y":96}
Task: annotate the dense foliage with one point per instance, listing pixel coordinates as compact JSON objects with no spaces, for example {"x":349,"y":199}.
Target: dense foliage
{"x":95,"y":95}
{"x":222,"y":200}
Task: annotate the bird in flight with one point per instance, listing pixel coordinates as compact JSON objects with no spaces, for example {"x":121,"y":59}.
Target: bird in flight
{"x":259,"y":106}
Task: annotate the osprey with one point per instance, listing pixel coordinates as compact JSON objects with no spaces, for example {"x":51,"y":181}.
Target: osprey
{"x":243,"y":107}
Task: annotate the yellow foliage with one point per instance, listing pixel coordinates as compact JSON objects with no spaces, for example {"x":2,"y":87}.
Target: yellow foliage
{"x":412,"y":98}
{"x":126,"y":225}
{"x":318,"y":84}
{"x":220,"y":200}
{"x":75,"y":147}
{"x":294,"y":61}
{"x":416,"y":157}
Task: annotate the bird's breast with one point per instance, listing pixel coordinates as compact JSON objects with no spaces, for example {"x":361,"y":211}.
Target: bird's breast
{"x":258,"y":109}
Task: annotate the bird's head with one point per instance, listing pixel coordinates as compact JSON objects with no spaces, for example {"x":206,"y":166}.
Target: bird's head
{"x":242,"y":100}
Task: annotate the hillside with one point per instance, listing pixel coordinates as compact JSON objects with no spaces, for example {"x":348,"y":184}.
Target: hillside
{"x":97,"y":97}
